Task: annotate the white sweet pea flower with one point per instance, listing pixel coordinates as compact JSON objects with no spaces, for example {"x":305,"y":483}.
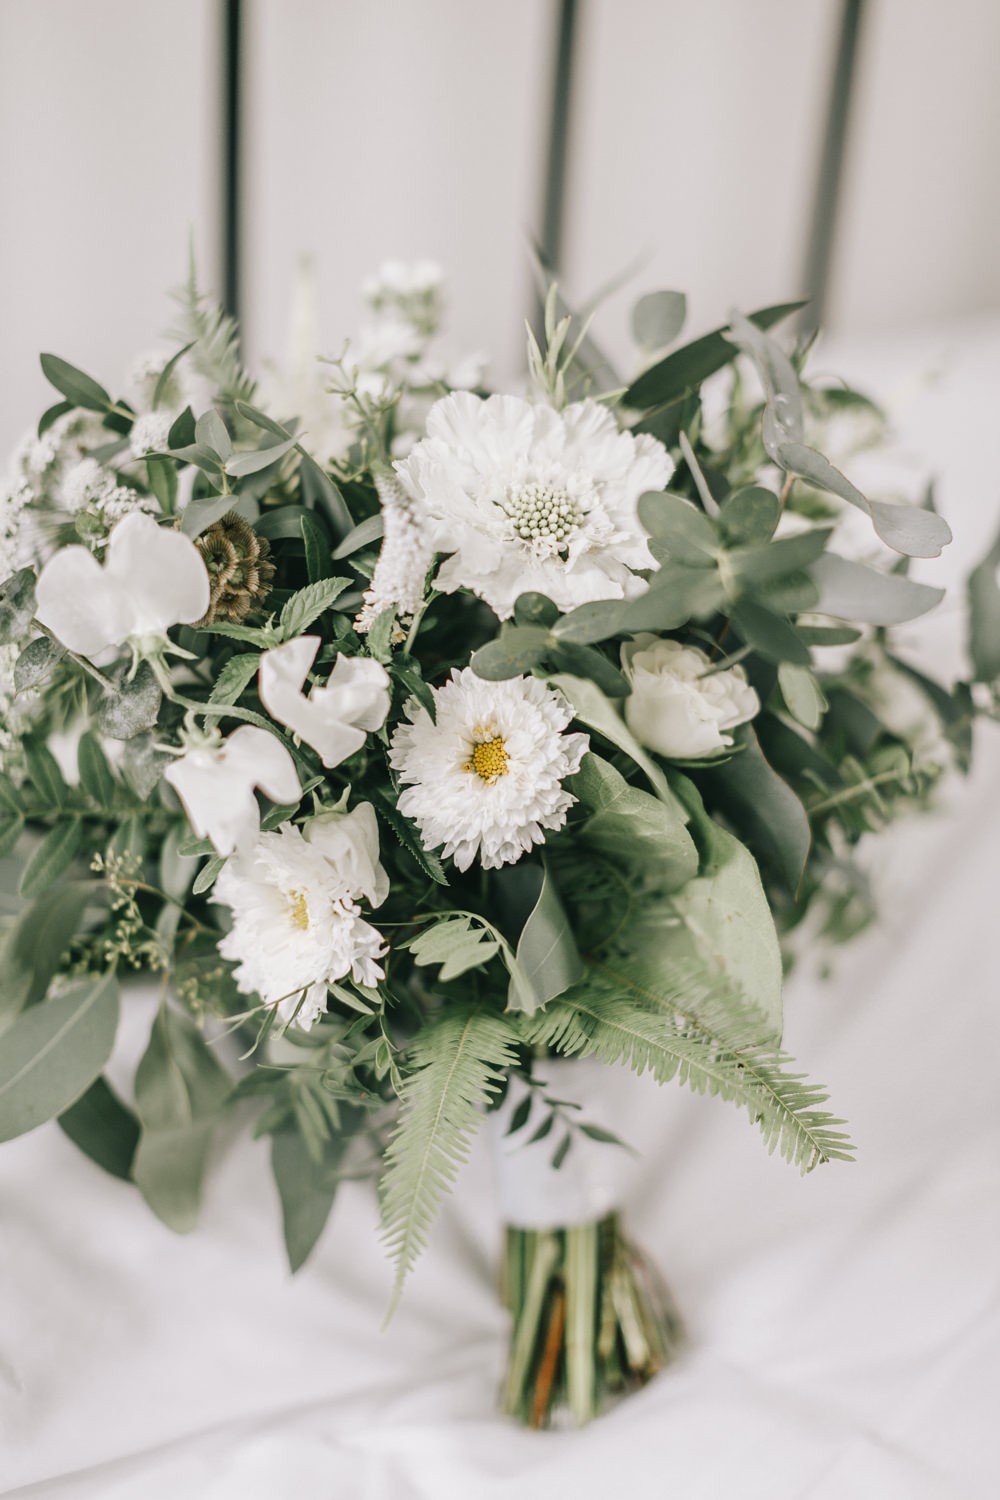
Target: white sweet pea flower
{"x":215,"y":781}
{"x":334,"y":719}
{"x":152,"y":578}
{"x":674,"y":707}
{"x":297,"y":923}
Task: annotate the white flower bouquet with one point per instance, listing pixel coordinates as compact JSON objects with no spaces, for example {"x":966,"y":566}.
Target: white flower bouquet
{"x":433,"y":744}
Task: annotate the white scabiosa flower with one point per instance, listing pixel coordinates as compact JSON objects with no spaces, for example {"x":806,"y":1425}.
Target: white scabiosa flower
{"x":484,"y":778}
{"x":335,"y":719}
{"x":152,"y":578}
{"x":215,"y":781}
{"x":679,"y":708}
{"x":405,"y":556}
{"x":297,"y":924}
{"x":527,"y":498}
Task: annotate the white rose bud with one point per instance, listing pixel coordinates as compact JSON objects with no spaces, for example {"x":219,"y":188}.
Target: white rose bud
{"x":675,"y":708}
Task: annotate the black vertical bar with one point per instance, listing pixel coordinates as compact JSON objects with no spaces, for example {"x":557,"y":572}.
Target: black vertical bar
{"x":550,"y":242}
{"x":231,"y":195}
{"x":819,"y":254}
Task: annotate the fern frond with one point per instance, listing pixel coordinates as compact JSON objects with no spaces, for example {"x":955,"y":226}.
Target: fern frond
{"x":702,"y":1035}
{"x":215,"y":340}
{"x":459,"y":1063}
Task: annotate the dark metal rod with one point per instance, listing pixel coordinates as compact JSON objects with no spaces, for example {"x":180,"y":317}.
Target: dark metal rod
{"x":231,"y":162}
{"x":550,"y":243}
{"x":819,"y":253}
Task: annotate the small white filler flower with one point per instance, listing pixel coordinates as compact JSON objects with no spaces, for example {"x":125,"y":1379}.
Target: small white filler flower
{"x":527,"y":498}
{"x":152,"y":578}
{"x":334,"y":719}
{"x":485,"y":776}
{"x":404,"y":558}
{"x":215,"y":781}
{"x":679,"y":707}
{"x":297,"y":923}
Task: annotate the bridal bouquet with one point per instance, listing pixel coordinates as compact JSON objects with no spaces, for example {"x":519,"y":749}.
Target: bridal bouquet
{"x":422,"y":739}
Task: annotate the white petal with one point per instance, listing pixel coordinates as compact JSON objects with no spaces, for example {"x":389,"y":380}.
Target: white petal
{"x":159,"y":574}
{"x":324,"y":720}
{"x":358,"y":690}
{"x":75,"y":600}
{"x":219,"y":807}
{"x":261,"y":759}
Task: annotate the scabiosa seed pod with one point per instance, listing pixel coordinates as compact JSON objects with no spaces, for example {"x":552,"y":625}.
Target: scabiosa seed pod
{"x":239,"y":569}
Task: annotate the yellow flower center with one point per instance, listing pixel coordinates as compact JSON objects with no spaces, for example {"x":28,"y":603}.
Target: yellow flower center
{"x":489,"y":759}
{"x":300,"y":910}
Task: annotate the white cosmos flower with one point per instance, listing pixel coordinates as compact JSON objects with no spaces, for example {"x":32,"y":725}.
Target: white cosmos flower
{"x":676,"y":709}
{"x":334,"y":719}
{"x":152,"y":578}
{"x":528,"y":498}
{"x":215,"y":782}
{"x":484,"y":777}
{"x":297,"y":923}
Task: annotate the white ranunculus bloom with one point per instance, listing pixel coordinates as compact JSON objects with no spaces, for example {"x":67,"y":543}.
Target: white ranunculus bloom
{"x":335,"y":719}
{"x":674,"y":707}
{"x":216,"y":781}
{"x":297,"y":923}
{"x":152,"y":578}
{"x":527,"y":498}
{"x":484,"y":777}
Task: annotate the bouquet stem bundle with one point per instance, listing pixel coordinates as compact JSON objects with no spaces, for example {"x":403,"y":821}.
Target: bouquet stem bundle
{"x":592,"y":1320}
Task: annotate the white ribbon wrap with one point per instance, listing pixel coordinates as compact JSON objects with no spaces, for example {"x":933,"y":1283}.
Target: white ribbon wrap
{"x":594,"y":1176}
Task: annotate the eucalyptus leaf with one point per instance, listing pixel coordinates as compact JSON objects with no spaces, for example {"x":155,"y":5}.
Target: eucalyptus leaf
{"x":103,"y":1128}
{"x":853,"y":591}
{"x":537,"y":609}
{"x":691,"y":365}
{"x":260,"y":458}
{"x":595,"y":709}
{"x":516,"y":650}
{"x":53,"y":1052}
{"x":642,"y":834}
{"x":199,"y":515}
{"x":143,"y":765}
{"x":547,"y":958}
{"x":658,"y":318}
{"x":802,"y":694}
{"x":17,"y":606}
{"x":771,"y":635}
{"x":210,"y":431}
{"x":687,"y":533}
{"x":36,"y":661}
{"x":594,"y":621}
{"x":749,"y":517}
{"x":132,"y":708}
{"x":78,"y":388}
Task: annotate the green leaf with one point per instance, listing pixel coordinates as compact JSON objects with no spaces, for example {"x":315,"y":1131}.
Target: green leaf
{"x":658,"y":318}
{"x":771,"y":636}
{"x":459,"y":1061}
{"x":536,"y":609}
{"x":595,"y":621}
{"x":72,"y":383}
{"x":44,"y":774}
{"x":640,"y":833}
{"x":235,"y":676}
{"x":52,"y":415}
{"x":363,"y":535}
{"x":260,"y":458}
{"x":694,"y":363}
{"x":791,"y":554}
{"x":585,"y":661}
{"x":210,"y":432}
{"x":36,"y":661}
{"x":319,"y":489}
{"x":591,"y":707}
{"x":53,"y":1052}
{"x":802,"y":693}
{"x":96,"y":776}
{"x":308,"y":604}
{"x":749,"y":517}
{"x":407,"y":835}
{"x":180,"y":1088}
{"x":17,"y":606}
{"x":691,"y":1027}
{"x":203,"y":458}
{"x":984,"y":616}
{"x":181,"y":434}
{"x":132,"y":708}
{"x":726,"y":926}
{"x":11,"y":828}
{"x":207,"y":875}
{"x":676,"y":594}
{"x":306,"y":1190}
{"x":853,"y":591}
{"x":458,"y":943}
{"x":162,"y":380}
{"x":516,"y":650}
{"x":547,"y":958}
{"x":103,"y":1128}
{"x":762,"y":808}
{"x":683,"y":531}
{"x":54,"y":854}
{"x":199,"y":515}
{"x":33,"y":946}
{"x":319,"y":560}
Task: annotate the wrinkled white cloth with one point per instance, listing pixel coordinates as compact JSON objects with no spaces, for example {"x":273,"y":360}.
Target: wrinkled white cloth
{"x":844,"y":1330}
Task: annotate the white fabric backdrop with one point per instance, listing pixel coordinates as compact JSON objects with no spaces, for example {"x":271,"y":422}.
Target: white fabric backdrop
{"x":845,"y":1329}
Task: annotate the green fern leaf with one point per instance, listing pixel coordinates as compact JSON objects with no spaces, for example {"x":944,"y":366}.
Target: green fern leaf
{"x":215,"y":342}
{"x":700,"y":1033}
{"x":459,"y":1062}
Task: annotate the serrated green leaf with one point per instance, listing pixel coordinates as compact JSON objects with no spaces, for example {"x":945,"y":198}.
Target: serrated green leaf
{"x":456,"y":943}
{"x":235,"y":676}
{"x":308,"y":604}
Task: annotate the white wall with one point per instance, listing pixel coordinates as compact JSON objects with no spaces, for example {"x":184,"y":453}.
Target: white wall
{"x":417,"y":127}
